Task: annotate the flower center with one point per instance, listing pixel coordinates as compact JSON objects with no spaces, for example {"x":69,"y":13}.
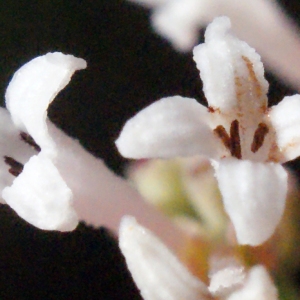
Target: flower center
{"x":232,"y":141}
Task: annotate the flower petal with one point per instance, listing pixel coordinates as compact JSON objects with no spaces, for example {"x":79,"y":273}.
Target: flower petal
{"x":258,"y":22}
{"x":285,"y":118}
{"x":12,"y":146}
{"x":254,"y":197}
{"x":223,"y":56}
{"x":258,"y":286}
{"x":101,"y":198}
{"x":173,"y":126}
{"x":179,"y":21}
{"x":33,"y":88}
{"x":226,"y":280}
{"x":41,"y":197}
{"x":156,"y":271}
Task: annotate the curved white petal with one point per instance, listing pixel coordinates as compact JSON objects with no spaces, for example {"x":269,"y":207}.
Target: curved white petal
{"x":39,"y":194}
{"x":258,"y":286}
{"x":173,"y":126}
{"x":12,"y":146}
{"x":156,"y":271}
{"x":231,"y":71}
{"x":32,"y":89}
{"x":254,"y":197}
{"x":41,"y":197}
{"x":285,"y":118}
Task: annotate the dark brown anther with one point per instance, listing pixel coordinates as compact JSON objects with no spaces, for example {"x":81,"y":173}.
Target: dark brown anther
{"x":235,"y":143}
{"x":220,"y":131}
{"x":30,"y":141}
{"x":259,"y":137}
{"x":16,"y":168}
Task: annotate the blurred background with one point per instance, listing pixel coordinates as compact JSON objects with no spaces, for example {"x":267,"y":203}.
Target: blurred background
{"x":129,"y":67}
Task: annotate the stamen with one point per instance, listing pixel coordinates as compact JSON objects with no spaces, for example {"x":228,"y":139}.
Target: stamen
{"x":30,"y":141}
{"x":232,"y":142}
{"x":235,"y":143}
{"x":16,"y":168}
{"x":220,"y":131}
{"x":259,"y":137}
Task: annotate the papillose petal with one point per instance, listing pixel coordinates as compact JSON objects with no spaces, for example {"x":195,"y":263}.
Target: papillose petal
{"x":285,"y":118}
{"x":81,"y":180}
{"x":258,"y":286}
{"x":173,"y":126}
{"x":226,"y":280}
{"x":33,"y":87}
{"x":254,"y":197}
{"x":31,"y":90}
{"x":156,"y":271}
{"x":230,"y":70}
{"x":41,"y":197}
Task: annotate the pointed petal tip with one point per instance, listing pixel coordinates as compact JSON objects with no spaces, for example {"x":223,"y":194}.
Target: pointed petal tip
{"x":127,"y":223}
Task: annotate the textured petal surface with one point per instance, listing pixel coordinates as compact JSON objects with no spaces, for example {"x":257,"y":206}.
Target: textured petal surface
{"x":156,"y":271}
{"x":39,"y":194}
{"x":258,"y":286}
{"x":230,"y":70}
{"x":226,"y":280}
{"x":41,"y":197}
{"x":33,"y":88}
{"x":173,"y":126}
{"x":254,"y":197}
{"x":285,"y":118}
{"x":12,"y":146}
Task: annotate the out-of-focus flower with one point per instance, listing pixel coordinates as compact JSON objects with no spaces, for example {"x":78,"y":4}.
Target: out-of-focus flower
{"x":52,"y":181}
{"x":159,"y":275}
{"x":184,"y":189}
{"x":258,"y":22}
{"x":244,"y":138}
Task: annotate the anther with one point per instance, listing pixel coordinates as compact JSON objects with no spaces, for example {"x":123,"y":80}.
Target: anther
{"x":30,"y":141}
{"x":235,"y":143}
{"x":220,"y":131}
{"x":231,"y":142}
{"x":259,"y":137}
{"x":16,"y":168}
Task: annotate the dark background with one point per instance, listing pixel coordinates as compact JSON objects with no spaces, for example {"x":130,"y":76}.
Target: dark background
{"x":129,"y":67}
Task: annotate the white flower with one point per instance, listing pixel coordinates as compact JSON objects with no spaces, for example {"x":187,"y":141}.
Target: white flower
{"x":244,"y":139}
{"x":258,"y":22}
{"x":160,"y":276}
{"x":62,"y":182}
